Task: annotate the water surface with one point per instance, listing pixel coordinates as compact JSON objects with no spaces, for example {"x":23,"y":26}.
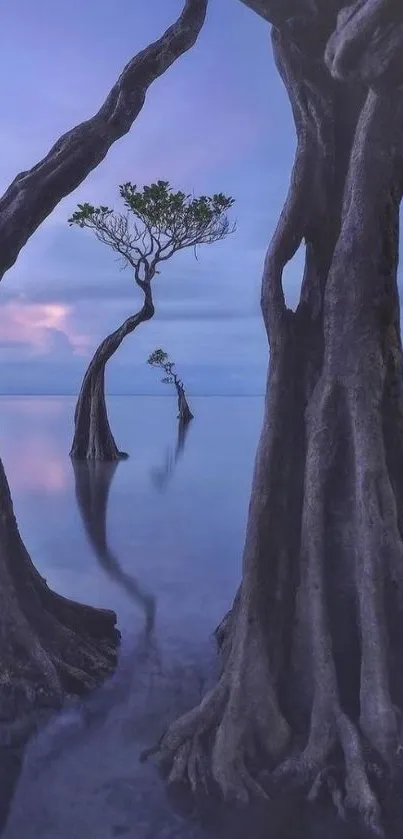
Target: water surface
{"x":175,"y":518}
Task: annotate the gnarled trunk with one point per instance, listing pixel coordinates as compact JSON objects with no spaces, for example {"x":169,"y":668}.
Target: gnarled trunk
{"x":93,"y":438}
{"x":184,"y":413}
{"x":311,"y":690}
{"x":50,"y":645}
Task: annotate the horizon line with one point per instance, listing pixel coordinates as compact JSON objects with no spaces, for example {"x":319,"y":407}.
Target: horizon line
{"x":151,"y":395}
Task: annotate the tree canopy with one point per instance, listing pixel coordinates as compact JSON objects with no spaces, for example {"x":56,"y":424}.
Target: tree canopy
{"x":157,"y":222}
{"x":159,"y":358}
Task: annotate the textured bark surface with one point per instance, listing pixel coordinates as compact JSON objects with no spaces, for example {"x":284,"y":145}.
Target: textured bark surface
{"x":93,"y":438}
{"x":311,"y":691}
{"x":34,"y":194}
{"x":93,"y":482}
{"x":50,"y":646}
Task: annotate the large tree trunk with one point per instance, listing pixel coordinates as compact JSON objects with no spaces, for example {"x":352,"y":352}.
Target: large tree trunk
{"x":50,"y":646}
{"x":311,"y":689}
{"x":93,"y":438}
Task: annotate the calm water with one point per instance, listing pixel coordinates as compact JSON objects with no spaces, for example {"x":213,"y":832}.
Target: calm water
{"x":177,"y":528}
{"x":175,"y":520}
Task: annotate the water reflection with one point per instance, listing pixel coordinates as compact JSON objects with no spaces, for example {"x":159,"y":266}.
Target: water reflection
{"x":92,"y":483}
{"x":161,"y":475}
{"x":43,"y":636}
{"x":81,"y":776}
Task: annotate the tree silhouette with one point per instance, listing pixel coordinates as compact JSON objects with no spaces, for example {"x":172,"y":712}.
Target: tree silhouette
{"x":159,"y":358}
{"x":157,"y":224}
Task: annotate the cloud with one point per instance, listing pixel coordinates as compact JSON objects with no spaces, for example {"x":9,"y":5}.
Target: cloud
{"x":39,"y":328}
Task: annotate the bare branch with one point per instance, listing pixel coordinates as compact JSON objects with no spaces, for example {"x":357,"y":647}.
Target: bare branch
{"x":158,"y":223}
{"x":34,"y":194}
{"x":304,"y":191}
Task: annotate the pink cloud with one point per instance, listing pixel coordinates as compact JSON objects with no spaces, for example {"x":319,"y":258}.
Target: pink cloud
{"x":36,"y":325}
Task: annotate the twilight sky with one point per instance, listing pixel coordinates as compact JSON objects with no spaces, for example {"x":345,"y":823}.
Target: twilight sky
{"x":218,"y":120}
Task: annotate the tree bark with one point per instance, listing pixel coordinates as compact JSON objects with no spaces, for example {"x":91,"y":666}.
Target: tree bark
{"x":50,"y":645}
{"x":311,"y":691}
{"x":93,"y":438}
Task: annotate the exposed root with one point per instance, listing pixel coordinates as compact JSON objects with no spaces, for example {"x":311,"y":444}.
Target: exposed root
{"x":359,"y":795}
{"x":345,"y":779}
{"x":326,"y":778}
{"x":218,"y":745}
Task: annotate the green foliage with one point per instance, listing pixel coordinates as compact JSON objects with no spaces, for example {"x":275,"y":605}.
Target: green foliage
{"x":169,"y":211}
{"x":157,"y":222}
{"x":86,"y":213}
{"x":159,"y":358}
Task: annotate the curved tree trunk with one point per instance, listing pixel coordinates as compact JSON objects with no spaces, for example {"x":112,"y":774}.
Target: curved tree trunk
{"x":93,"y":481}
{"x":93,"y":438}
{"x":50,"y":646}
{"x":311,"y":690}
{"x":184,"y":413}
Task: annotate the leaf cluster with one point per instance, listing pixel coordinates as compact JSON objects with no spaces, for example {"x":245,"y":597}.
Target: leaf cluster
{"x":157,"y":223}
{"x":159,"y":358}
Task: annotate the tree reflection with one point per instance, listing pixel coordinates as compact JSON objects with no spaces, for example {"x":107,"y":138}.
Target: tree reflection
{"x":161,"y":475}
{"x":92,"y":483}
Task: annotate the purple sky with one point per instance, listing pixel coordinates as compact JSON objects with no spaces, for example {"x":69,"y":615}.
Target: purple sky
{"x":218,"y":120}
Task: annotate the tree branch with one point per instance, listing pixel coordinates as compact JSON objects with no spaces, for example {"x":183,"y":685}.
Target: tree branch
{"x":34,"y":194}
{"x":303,"y":195}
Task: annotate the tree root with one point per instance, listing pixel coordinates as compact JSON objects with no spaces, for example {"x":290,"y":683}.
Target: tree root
{"x":211,"y":752}
{"x":217,"y":746}
{"x":220,"y":746}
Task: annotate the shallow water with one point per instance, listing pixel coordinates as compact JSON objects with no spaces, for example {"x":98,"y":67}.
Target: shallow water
{"x":175,"y":519}
{"x":159,"y":539}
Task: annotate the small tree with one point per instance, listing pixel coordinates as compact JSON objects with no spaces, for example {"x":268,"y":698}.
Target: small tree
{"x":156,"y":224}
{"x":161,"y":359}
